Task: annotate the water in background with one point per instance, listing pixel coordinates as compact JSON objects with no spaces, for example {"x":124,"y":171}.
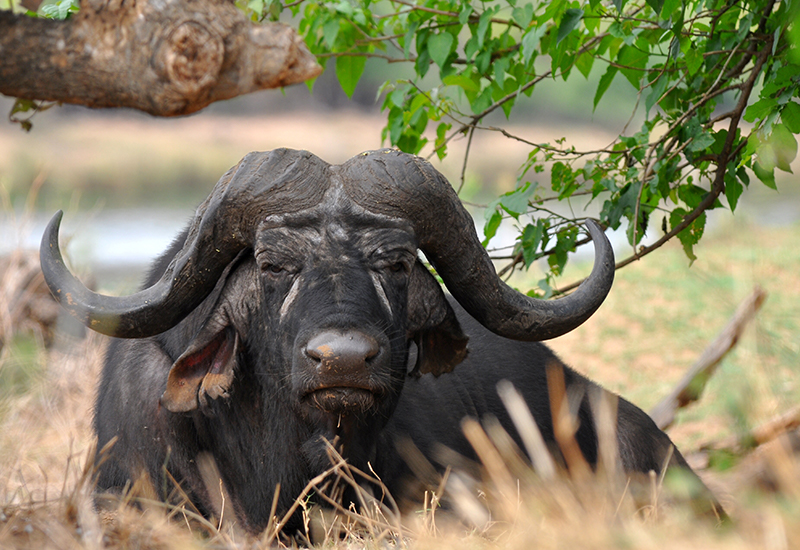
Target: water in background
{"x":114,"y":246}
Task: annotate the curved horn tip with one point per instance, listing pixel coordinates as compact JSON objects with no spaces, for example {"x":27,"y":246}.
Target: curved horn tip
{"x":52,"y":228}
{"x":49,"y":251}
{"x":603,"y":250}
{"x":56,"y":275}
{"x":595,"y":229}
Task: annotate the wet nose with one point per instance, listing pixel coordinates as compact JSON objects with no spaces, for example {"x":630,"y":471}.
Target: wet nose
{"x":341,"y":350}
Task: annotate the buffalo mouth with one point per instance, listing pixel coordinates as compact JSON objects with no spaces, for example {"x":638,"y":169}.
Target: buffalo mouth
{"x":341,"y":399}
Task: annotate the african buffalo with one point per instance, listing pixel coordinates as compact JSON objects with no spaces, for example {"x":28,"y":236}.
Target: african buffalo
{"x":294,"y":310}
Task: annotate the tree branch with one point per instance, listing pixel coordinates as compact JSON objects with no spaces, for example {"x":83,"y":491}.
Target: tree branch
{"x":692,"y":383}
{"x":728,"y":152}
{"x":164,"y":58}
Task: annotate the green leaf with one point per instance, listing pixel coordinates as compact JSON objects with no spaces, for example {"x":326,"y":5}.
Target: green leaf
{"x":409,"y":37}
{"x":694,"y":60}
{"x":656,"y":5}
{"x":60,"y":10}
{"x":463,"y":82}
{"x":523,"y":16}
{"x":693,"y":232}
{"x":565,"y":243}
{"x":441,"y":135}
{"x":493,"y":218}
{"x":569,"y":22}
{"x":790,"y":116}
{"x":616,"y":30}
{"x":500,"y":68}
{"x":22,"y":106}
{"x":669,"y":6}
{"x":395,"y":124}
{"x":619,"y":4}
{"x":349,"y":69}
{"x":733,"y":190}
{"x":416,"y":103}
{"x":422,"y":64}
{"x":256,"y":6}
{"x":345,"y":8}
{"x":584,"y":64}
{"x":634,"y":59}
{"x":778,"y":150}
{"x":674,"y":48}
{"x":692,"y":195}
{"x":530,"y":239}
{"x":330,"y":31}
{"x":439,"y":47}
{"x":530,"y":42}
{"x":516,"y":202}
{"x":656,"y":92}
{"x":471,"y":48}
{"x":482,"y":101}
{"x":766,"y":176}
{"x":464,"y":14}
{"x":760,"y":109}
{"x":701,"y":142}
{"x":555,"y":8}
{"x":605,"y":82}
{"x":483,"y":26}
{"x":395,"y":98}
{"x":483,"y":60}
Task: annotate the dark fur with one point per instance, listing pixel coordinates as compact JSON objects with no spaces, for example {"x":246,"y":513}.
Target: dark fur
{"x":264,"y":434}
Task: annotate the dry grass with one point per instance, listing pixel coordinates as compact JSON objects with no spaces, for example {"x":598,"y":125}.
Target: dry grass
{"x":46,"y":483}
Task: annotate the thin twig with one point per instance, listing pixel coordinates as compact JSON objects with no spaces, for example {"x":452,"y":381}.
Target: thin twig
{"x":454,"y":14}
{"x":466,"y":157}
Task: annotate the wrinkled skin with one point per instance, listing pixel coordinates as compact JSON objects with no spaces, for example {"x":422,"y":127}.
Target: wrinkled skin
{"x":308,"y":273}
{"x":332,"y":273}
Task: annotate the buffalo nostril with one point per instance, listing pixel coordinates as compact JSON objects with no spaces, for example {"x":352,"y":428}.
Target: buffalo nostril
{"x":349,"y":348}
{"x":314,"y":353}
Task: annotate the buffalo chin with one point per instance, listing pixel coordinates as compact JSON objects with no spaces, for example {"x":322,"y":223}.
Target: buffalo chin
{"x":341,"y":400}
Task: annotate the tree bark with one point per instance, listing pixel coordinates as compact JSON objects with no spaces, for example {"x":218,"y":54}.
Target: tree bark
{"x":164,"y":57}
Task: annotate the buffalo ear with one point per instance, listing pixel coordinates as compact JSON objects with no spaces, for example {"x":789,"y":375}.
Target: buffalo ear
{"x":432,"y":323}
{"x":204,"y":370}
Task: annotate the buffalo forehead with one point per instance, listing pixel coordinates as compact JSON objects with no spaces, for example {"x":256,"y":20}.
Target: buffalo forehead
{"x":319,"y":227}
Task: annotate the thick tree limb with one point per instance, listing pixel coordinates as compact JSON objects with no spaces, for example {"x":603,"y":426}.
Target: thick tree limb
{"x":164,"y":57}
{"x":691,"y":386}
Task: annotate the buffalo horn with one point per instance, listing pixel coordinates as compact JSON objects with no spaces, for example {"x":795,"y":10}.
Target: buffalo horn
{"x":261,"y":184}
{"x":396,"y":184}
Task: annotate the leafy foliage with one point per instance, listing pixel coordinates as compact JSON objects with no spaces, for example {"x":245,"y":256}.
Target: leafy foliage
{"x":695,"y":65}
{"x":699,"y":68}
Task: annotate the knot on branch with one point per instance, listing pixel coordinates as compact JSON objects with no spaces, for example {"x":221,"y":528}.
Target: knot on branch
{"x":192,"y":58}
{"x":279,"y":57}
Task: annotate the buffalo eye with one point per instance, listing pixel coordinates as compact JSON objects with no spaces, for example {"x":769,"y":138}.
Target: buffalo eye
{"x":393,"y":267}
{"x":392,"y":262}
{"x":273,"y":269}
